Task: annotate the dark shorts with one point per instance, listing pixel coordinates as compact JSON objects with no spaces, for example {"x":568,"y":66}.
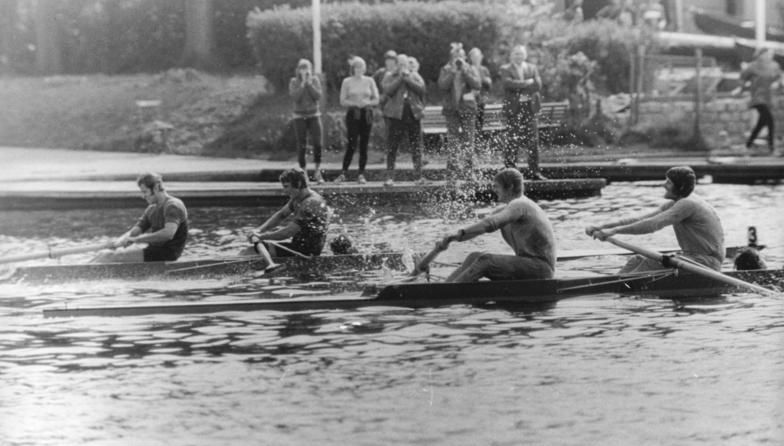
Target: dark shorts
{"x":159,"y":254}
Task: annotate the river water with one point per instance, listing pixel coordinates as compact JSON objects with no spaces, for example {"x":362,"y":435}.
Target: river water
{"x":600,"y":369}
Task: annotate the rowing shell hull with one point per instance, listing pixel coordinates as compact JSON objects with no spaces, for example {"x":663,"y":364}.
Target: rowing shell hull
{"x":524,"y":293}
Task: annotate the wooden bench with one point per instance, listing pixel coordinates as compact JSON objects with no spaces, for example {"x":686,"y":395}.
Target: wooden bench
{"x":551,"y":116}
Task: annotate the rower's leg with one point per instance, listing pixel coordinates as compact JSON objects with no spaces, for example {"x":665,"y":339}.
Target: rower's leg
{"x":640,"y":264}
{"x":261,"y":249}
{"x":469,"y":264}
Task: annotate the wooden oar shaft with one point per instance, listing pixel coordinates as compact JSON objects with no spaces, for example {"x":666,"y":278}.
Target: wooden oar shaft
{"x":691,"y":267}
{"x":285,"y":248}
{"x":54,"y":253}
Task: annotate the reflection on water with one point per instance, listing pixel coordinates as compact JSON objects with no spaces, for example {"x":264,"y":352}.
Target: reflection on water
{"x":592,"y":370}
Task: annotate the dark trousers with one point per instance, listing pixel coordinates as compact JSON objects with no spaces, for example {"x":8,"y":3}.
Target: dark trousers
{"x":359,"y":122}
{"x":765,"y":120}
{"x":303,"y":126}
{"x":405,"y":130}
{"x":522,"y":132}
{"x":460,"y":141}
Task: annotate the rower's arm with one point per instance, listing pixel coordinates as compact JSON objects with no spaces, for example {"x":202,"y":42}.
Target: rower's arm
{"x":287,"y":231}
{"x":631,"y":220}
{"x":162,"y":235}
{"x":276,"y":219}
{"x":491,"y":223}
{"x":673,"y":214}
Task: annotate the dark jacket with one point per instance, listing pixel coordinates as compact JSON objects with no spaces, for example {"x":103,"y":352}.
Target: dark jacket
{"x":468,"y":80}
{"x":516,"y":92}
{"x":399,"y":89}
{"x":306,"y":97}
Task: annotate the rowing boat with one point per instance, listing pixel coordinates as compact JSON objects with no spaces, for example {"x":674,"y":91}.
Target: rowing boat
{"x":217,"y":267}
{"x":520,"y":293}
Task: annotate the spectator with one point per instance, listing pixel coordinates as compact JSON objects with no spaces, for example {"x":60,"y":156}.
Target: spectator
{"x":404,"y":110}
{"x":521,"y":83}
{"x":458,"y":80}
{"x":761,"y":74}
{"x":476,"y":56}
{"x":359,"y":94}
{"x":390,"y":62}
{"x":305,"y":88}
{"x":413,"y":64}
{"x":574,"y":13}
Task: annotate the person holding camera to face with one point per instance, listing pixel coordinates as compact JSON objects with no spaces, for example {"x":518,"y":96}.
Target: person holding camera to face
{"x":404,"y":110}
{"x":521,"y":84}
{"x":459,"y":80}
{"x":305,"y":89}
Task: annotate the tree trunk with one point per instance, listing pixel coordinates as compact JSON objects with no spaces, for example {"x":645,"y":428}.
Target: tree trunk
{"x":48,"y":56}
{"x":199,"y":36}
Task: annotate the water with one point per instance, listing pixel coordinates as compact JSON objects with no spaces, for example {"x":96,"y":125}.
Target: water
{"x":592,"y":370}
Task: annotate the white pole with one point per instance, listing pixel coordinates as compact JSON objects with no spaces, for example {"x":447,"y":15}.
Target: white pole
{"x":317,"y":36}
{"x":760,"y":22}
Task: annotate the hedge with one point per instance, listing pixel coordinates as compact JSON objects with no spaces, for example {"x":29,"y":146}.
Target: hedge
{"x":280,"y":37}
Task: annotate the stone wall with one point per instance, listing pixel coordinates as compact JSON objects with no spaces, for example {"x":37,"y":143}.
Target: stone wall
{"x":725,"y":121}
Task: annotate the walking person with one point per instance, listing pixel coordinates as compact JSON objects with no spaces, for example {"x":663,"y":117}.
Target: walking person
{"x":359,"y":94}
{"x":404,"y":110}
{"x":521,"y":83}
{"x":305,"y":89}
{"x":459,"y":80}
{"x":762,"y":73}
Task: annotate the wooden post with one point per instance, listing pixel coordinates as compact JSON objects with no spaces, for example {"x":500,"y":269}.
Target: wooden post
{"x":759,"y":13}
{"x":698,"y":96}
{"x":632,"y":67}
{"x":317,"y":36}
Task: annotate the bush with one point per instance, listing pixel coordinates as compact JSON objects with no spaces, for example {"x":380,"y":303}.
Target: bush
{"x":672,"y":132}
{"x":282,"y":36}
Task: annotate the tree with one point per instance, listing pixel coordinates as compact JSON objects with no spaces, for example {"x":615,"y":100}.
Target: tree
{"x":199,"y":35}
{"x":48,"y":54}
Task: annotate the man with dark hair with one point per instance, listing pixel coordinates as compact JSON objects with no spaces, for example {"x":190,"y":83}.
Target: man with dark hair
{"x":304,"y":219}
{"x":523,"y":225}
{"x":696,"y":224}
{"x":163,"y":227}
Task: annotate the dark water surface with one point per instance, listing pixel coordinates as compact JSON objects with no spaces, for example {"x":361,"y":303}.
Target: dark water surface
{"x":600,"y":369}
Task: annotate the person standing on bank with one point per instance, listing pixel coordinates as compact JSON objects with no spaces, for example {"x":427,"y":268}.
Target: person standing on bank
{"x":459,"y":80}
{"x":359,"y":94}
{"x":762,"y":73}
{"x":404,"y":110}
{"x":305,"y":89}
{"x":521,"y":84}
{"x":476,"y":56}
{"x":163,"y":227}
{"x":697,"y":226}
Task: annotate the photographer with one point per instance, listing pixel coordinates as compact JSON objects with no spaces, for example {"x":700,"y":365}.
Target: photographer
{"x":459,"y":80}
{"x":404,"y":110}
{"x":305,"y":89}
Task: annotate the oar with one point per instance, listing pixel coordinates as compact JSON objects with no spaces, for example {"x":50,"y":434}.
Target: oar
{"x":285,"y":248}
{"x":691,"y":267}
{"x":424,"y":263}
{"x":55,"y":253}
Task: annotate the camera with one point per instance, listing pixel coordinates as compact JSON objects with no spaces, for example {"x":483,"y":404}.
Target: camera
{"x":459,"y":63}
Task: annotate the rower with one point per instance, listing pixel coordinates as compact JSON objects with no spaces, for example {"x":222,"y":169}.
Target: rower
{"x":523,"y":225}
{"x":696,"y":224}
{"x":163,"y":227}
{"x":304,"y":219}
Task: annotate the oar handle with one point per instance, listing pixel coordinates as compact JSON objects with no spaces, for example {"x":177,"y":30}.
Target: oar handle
{"x":424,"y":263}
{"x":679,"y":263}
{"x":55,"y":253}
